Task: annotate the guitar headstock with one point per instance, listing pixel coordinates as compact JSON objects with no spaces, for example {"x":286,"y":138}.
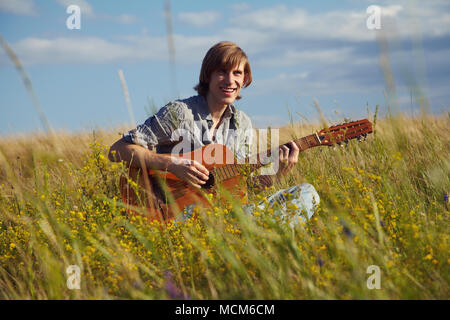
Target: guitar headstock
{"x":344,"y":132}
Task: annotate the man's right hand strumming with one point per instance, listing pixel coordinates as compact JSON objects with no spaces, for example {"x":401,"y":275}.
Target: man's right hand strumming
{"x":191,"y":171}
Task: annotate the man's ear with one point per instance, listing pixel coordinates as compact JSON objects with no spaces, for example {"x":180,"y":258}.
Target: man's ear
{"x":245,"y":79}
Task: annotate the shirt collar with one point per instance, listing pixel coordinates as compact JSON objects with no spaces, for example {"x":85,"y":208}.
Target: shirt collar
{"x":206,"y":114}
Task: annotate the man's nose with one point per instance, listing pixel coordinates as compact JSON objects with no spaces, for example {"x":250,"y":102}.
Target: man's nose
{"x":229,"y":78}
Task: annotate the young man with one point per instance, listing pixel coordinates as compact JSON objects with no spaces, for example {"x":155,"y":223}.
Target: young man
{"x":206,"y":118}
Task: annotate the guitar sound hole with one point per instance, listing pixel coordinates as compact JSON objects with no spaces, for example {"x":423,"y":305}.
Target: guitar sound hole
{"x":210,"y":182}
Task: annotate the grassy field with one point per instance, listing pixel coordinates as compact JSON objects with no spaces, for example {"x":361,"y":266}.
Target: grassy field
{"x":382,"y":203}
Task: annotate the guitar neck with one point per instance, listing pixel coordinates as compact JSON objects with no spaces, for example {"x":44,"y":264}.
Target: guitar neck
{"x":304,"y":143}
{"x":251,"y":164}
{"x":307,"y":142}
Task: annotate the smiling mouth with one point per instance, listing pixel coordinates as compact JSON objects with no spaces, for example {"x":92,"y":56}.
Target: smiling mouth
{"x":228,"y":90}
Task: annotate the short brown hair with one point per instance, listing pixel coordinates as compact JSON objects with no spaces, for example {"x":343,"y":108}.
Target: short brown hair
{"x":224,"y":55}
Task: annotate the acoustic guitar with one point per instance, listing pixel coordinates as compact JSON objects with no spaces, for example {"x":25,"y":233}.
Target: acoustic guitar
{"x":163,"y":195}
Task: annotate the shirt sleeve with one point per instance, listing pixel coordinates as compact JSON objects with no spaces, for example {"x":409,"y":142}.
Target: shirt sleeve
{"x":157,"y":130}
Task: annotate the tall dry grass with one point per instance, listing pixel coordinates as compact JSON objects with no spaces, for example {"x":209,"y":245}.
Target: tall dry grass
{"x":382,"y":203}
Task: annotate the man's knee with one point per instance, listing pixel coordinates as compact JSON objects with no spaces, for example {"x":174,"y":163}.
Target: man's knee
{"x":308,"y":190}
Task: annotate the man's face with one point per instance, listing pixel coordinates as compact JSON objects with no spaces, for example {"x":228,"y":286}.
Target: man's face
{"x":225,"y":85}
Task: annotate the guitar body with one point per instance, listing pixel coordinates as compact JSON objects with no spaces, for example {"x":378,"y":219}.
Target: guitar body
{"x":164,"y":195}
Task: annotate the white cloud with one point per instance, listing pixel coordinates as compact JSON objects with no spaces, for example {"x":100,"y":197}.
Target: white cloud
{"x":188,"y":49}
{"x":293,"y":57}
{"x":252,"y":41}
{"x":391,"y":11}
{"x":242,"y":6}
{"x":296,"y":22}
{"x":319,"y":82}
{"x":20,"y":7}
{"x":84,"y":50}
{"x":126,"y":19}
{"x":93,"y":50}
{"x":88,"y":11}
{"x":85,"y":7}
{"x":348,"y":25}
{"x":199,"y":19}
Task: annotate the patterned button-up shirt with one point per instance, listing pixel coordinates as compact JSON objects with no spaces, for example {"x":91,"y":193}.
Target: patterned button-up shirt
{"x":191,"y":120}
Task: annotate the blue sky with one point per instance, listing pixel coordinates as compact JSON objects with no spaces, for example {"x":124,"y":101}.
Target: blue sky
{"x":299,"y":51}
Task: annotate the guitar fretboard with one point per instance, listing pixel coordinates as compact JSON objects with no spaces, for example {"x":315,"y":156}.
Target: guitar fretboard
{"x":237,"y":169}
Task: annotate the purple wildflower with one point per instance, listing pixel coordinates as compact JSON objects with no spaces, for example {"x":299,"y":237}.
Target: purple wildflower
{"x":320,"y":262}
{"x":347,"y":231}
{"x":173,"y":291}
